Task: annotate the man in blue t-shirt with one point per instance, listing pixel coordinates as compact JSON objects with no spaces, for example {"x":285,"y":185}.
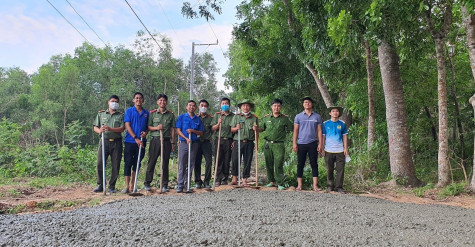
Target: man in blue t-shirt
{"x":188,"y":127}
{"x":335,"y":141}
{"x":135,"y":119}
{"x":307,"y":139}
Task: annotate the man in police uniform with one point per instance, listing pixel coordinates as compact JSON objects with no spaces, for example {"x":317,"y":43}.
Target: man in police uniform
{"x":204,"y":147}
{"x":224,"y":118}
{"x":111,"y":123}
{"x":276,"y":127}
{"x":247,"y":123}
{"x":160,"y":119}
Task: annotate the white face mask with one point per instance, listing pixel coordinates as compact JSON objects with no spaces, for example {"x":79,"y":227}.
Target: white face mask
{"x":245,"y":113}
{"x":114,"y":105}
{"x":203,"y":109}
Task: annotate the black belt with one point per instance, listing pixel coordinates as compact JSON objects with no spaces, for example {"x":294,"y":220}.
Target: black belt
{"x":275,"y":141}
{"x":247,"y":140}
{"x":204,"y":140}
{"x":225,"y":138}
{"x":114,"y":140}
{"x":164,"y":138}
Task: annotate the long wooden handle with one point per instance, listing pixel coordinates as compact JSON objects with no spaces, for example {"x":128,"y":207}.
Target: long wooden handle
{"x":256,"y":142}
{"x":217,"y":157}
{"x":160,"y":185}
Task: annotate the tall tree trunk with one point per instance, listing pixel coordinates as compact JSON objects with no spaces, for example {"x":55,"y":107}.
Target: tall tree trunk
{"x":371,"y":110}
{"x":443,"y":154}
{"x":469,"y":22}
{"x":321,"y":85}
{"x":429,"y":116}
{"x":439,"y":35}
{"x":400,"y":155}
{"x":457,"y":109}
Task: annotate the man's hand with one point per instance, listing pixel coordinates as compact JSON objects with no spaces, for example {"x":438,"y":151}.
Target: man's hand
{"x":143,"y":134}
{"x":104,"y":128}
{"x":346,"y":152}
{"x":295,"y":148}
{"x":160,"y":127}
{"x":238,"y":126}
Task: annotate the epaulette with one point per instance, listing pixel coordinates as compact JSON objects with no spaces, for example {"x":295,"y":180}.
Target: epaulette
{"x":154,"y":110}
{"x":239,"y":114}
{"x":266,"y":115}
{"x":209,"y":115}
{"x":285,"y":115}
{"x":119,"y":112}
{"x":217,"y":113}
{"x":170,"y":112}
{"x":102,"y":111}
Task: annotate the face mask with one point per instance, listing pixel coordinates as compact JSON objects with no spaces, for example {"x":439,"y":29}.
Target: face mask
{"x":114,"y":105}
{"x":225,"y":107}
{"x":203,"y":109}
{"x":245,"y":113}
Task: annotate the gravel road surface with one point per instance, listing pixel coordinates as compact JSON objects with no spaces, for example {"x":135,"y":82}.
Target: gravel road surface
{"x":245,"y":217}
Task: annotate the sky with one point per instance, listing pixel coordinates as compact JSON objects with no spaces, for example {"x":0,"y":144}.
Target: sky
{"x":31,"y":31}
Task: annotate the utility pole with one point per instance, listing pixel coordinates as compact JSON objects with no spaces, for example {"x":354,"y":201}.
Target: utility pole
{"x":192,"y":79}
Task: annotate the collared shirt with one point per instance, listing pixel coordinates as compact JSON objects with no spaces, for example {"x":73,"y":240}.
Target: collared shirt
{"x":225,"y":126}
{"x":307,"y":127}
{"x":114,"y":120}
{"x":206,"y":120}
{"x":138,"y":122}
{"x":276,"y":128}
{"x":167,"y":119}
{"x":333,"y":133}
{"x":247,"y":133}
{"x":185,"y":122}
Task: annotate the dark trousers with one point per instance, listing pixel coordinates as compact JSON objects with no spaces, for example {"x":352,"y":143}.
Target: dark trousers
{"x":335,"y":160}
{"x":131,"y":154}
{"x":204,"y":149}
{"x":302,"y":151}
{"x":224,"y":158}
{"x":247,"y":149}
{"x":153,"y":154}
{"x":114,"y":149}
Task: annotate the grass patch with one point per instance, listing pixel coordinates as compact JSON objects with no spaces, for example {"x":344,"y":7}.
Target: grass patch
{"x":454,"y":189}
{"x":94,"y":202}
{"x":419,"y":192}
{"x":13,"y":193}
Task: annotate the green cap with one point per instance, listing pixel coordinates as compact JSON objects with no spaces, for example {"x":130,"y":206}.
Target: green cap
{"x":245,"y":101}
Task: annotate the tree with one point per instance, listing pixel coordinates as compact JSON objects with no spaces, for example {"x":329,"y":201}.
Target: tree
{"x":439,"y":18}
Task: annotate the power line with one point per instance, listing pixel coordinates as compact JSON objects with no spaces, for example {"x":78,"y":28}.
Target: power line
{"x":217,"y":42}
{"x":86,"y":23}
{"x":150,"y":33}
{"x":68,"y":21}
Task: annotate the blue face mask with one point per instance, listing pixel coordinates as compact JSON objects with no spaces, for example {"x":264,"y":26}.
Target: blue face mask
{"x":225,"y":107}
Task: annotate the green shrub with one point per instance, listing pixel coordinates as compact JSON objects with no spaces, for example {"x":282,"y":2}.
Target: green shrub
{"x":453,"y":189}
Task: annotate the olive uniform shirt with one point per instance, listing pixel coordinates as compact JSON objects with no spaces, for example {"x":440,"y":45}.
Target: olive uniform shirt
{"x":276,"y":128}
{"x":247,"y":133}
{"x":115,"y":120}
{"x":206,"y":120}
{"x":167,"y":119}
{"x":225,"y":124}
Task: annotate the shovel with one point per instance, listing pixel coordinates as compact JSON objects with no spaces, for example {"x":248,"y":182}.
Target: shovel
{"x":239,"y":155}
{"x":188,"y":190}
{"x":217,"y":158}
{"x":135,"y":192}
{"x":256,"y":138}
{"x":103,"y":164}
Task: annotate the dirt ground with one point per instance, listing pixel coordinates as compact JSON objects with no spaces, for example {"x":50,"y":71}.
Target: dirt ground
{"x":25,"y":199}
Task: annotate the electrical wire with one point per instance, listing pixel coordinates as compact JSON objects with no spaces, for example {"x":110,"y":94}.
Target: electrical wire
{"x":69,"y":22}
{"x":87,"y":23}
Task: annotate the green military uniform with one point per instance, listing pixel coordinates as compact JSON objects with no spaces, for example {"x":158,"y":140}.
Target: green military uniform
{"x":167,"y":119}
{"x":224,"y":145}
{"x":276,"y":129}
{"x":204,"y":149}
{"x":112,"y":143}
{"x":247,"y":142}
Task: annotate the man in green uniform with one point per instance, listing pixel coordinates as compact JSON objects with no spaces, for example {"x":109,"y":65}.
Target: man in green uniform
{"x":111,"y":123}
{"x":164,"y":120}
{"x":247,"y":124}
{"x":204,"y":147}
{"x":276,"y":127}
{"x":223,"y":118}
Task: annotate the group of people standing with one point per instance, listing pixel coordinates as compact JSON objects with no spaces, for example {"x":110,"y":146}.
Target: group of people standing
{"x":234,"y":138}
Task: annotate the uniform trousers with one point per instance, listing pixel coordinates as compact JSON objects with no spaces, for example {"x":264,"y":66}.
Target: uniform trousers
{"x":114,"y":150}
{"x":247,"y":149}
{"x":274,"y":154}
{"x":204,"y":149}
{"x":224,"y":158}
{"x":153,"y":154}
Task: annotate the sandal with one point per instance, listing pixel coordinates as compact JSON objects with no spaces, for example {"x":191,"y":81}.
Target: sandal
{"x":234,"y":183}
{"x":316,"y":189}
{"x":298,"y":189}
{"x":245,"y":185}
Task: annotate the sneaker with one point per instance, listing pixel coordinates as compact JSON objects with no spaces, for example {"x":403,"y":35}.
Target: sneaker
{"x":98,"y":189}
{"x":224,"y":182}
{"x":125,"y":191}
{"x":199,"y":185}
{"x":165,"y":189}
{"x":147,"y":188}
{"x":112,"y":191}
{"x":179,"y":190}
{"x":207,"y":186}
{"x":329,"y":189}
{"x":340,"y":190}
{"x":281,"y":187}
